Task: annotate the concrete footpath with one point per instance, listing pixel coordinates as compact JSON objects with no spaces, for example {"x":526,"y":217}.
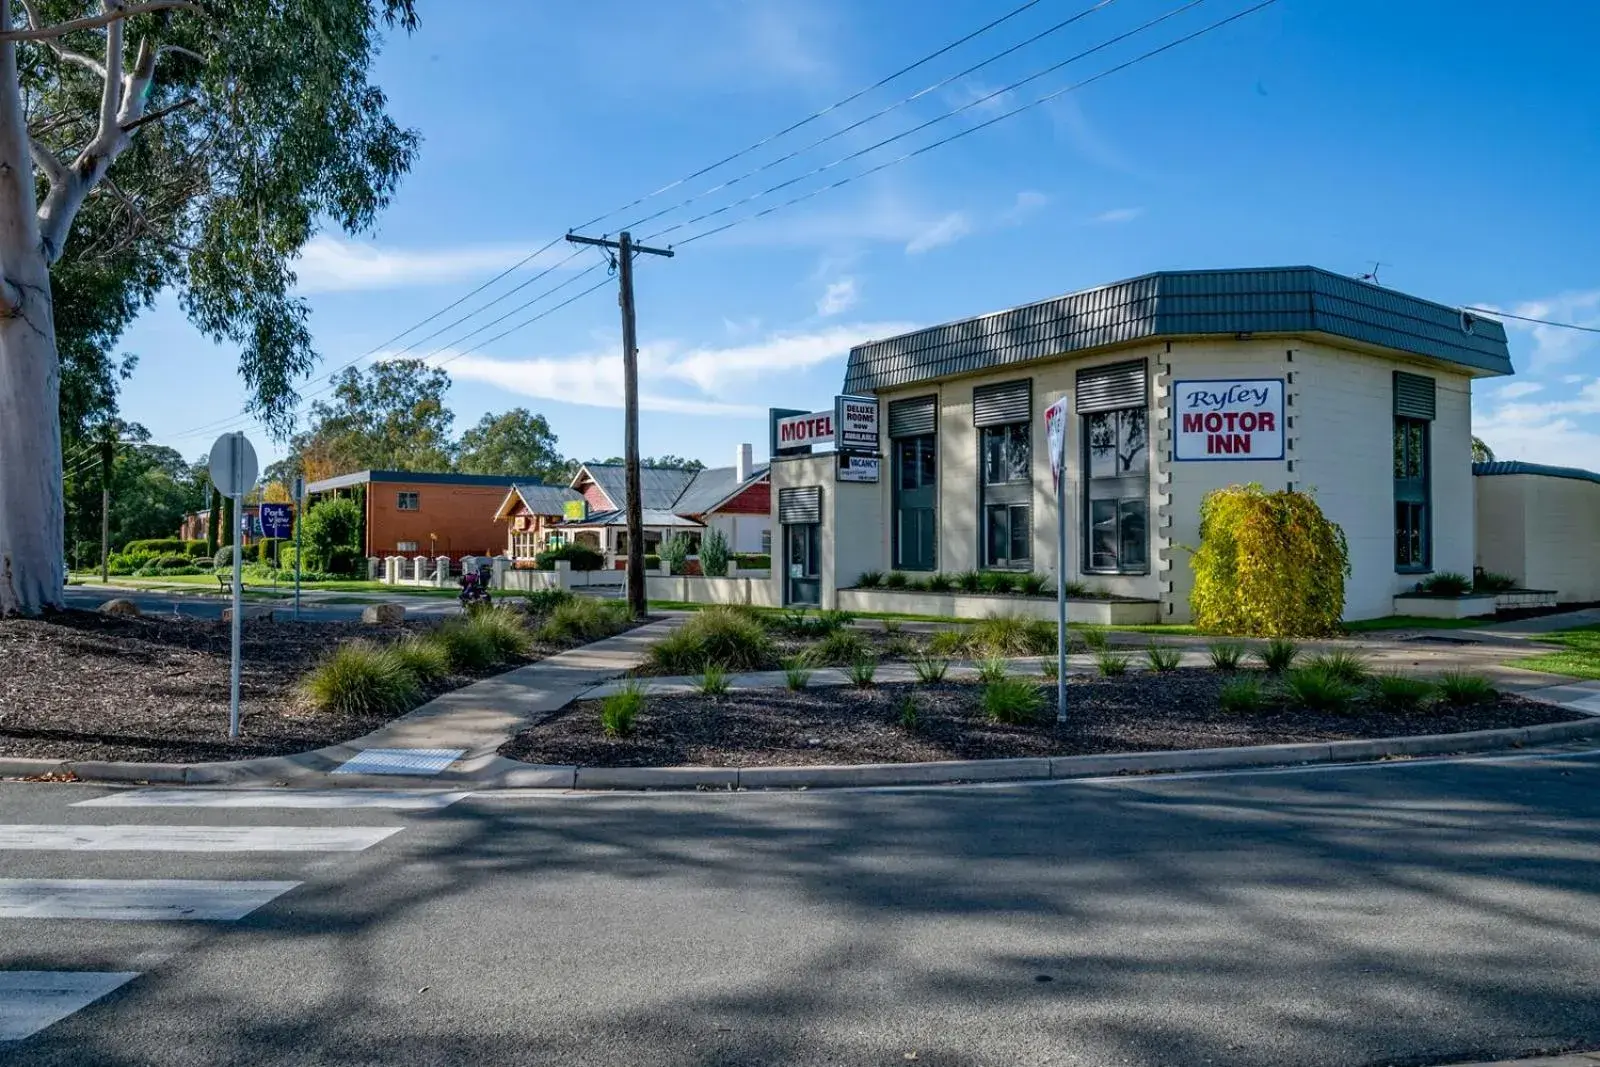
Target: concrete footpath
{"x":1571,"y":1059}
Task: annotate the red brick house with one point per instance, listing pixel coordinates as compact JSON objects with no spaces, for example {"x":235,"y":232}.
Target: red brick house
{"x":409,"y":513}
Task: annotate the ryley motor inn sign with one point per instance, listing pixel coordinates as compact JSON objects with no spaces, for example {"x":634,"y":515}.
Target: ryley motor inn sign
{"x":1231,"y":419}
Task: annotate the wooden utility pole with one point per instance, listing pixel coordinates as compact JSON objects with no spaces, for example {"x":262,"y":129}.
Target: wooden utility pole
{"x":107,"y":449}
{"x":626,"y":250}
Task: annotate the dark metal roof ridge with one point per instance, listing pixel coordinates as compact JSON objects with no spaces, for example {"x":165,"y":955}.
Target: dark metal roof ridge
{"x":1300,"y":300}
{"x":1517,"y":466}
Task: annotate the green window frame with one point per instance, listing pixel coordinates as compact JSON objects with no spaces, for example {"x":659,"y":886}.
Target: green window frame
{"x":1413,"y":518}
{"x":1116,"y":507}
{"x":916,"y":502}
{"x":1005,"y":463}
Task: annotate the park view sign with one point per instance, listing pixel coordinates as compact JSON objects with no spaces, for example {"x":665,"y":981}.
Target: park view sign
{"x":1228,"y":419}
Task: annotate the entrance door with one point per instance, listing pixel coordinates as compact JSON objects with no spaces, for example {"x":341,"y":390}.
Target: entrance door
{"x":803,"y":563}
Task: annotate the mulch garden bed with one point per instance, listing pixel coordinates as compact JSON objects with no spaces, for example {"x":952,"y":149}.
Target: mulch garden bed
{"x":841,"y":725}
{"x":81,"y":685}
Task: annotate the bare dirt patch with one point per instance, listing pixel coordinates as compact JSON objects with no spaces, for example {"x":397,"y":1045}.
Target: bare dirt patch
{"x":1137,"y":713}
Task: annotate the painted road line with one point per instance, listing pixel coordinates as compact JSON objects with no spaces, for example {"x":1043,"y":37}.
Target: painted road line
{"x":32,"y":1000}
{"x":134,"y":899}
{"x":321,"y":799}
{"x":400,"y":761}
{"x":45,"y":837}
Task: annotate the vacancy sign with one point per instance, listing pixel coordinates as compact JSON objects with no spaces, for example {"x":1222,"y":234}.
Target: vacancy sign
{"x":1228,"y":419}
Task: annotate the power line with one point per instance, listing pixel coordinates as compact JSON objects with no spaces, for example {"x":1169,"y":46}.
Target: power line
{"x":919,"y":94}
{"x":983,"y":125}
{"x":939,"y":118}
{"x":246,"y":416}
{"x":858,"y":94}
{"x":1529,"y":318}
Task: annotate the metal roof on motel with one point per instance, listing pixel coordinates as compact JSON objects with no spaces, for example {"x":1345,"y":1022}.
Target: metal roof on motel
{"x":1270,"y":300}
{"x":1515,"y":466}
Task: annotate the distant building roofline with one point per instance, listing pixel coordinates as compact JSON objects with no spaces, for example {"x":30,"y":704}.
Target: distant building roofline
{"x":345,"y":481}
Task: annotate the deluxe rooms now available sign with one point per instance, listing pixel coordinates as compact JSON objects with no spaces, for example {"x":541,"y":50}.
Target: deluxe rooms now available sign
{"x":1228,"y":419}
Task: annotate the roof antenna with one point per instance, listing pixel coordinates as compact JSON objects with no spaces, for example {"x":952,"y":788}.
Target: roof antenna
{"x":1372,"y":276}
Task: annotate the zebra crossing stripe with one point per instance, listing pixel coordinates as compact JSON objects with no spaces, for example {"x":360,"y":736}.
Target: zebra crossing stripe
{"x":131,"y":838}
{"x":329,"y":799}
{"x":32,"y":1000}
{"x":135,"y":899}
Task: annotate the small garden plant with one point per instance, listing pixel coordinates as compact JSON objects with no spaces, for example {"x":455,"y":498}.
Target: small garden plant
{"x":1226,"y":655}
{"x":1490,"y":582}
{"x":1319,"y":690}
{"x":869,"y":580}
{"x":1461,"y":689}
{"x":1241,"y":695}
{"x":713,"y":680}
{"x":797,"y":672}
{"x":930,"y":669}
{"x":908,"y":712}
{"x":862,"y":672}
{"x":360,"y":678}
{"x":948,"y":643}
{"x":1014,"y":701}
{"x":1111,"y":664}
{"x":841,"y":648}
{"x":991,"y":669}
{"x":894,"y":580}
{"x":1342,"y":664}
{"x":1163,"y":657}
{"x":1279,"y":655}
{"x":619,"y":710}
{"x":1445,"y":583}
{"x":424,"y":657}
{"x":730,"y":637}
{"x":1398,"y":692}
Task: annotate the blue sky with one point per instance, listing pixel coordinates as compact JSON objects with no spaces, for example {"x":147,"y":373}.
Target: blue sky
{"x":1455,"y":141}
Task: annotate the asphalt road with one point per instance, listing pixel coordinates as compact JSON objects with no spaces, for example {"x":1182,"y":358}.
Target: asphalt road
{"x":1399,"y":914}
{"x":206,"y":606}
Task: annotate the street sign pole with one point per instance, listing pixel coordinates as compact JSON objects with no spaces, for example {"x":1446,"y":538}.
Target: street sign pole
{"x":1061,"y":593}
{"x":233,"y":472}
{"x":299,"y":514}
{"x":1055,"y":420}
{"x":238,"y":590}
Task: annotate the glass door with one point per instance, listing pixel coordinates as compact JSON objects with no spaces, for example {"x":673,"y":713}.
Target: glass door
{"x":802,"y":564}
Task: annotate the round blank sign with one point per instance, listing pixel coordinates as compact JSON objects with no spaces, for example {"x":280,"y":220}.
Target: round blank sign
{"x":233,"y":465}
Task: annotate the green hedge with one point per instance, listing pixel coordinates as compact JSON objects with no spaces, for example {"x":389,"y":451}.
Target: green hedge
{"x":267,"y":548}
{"x":582,"y":558}
{"x":156,"y":546}
{"x":753,"y":561}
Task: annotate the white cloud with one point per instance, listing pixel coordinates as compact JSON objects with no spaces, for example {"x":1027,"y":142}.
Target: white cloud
{"x":950,"y":228}
{"x":1513,"y":390}
{"x":1026,"y":203}
{"x":1561,"y":432}
{"x":1553,"y":344}
{"x":840,"y":296}
{"x":330,"y":264}
{"x":594,"y":379}
{"x":1116,"y":215}
{"x":1571,"y":379}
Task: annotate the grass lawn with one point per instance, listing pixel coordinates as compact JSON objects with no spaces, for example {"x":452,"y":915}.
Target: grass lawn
{"x":1412,"y":622}
{"x":1580,"y":657}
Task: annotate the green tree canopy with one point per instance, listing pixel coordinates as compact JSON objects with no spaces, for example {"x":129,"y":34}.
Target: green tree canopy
{"x":668,"y":461}
{"x":390,"y":416}
{"x":515,"y":442}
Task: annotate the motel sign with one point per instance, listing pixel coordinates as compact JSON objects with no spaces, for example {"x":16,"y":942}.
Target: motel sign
{"x":1231,"y":419}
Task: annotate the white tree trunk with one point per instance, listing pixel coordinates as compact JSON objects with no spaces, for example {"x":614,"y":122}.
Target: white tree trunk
{"x":32,"y":519}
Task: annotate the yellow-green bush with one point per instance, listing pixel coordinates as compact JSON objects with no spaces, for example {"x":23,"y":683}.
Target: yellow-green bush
{"x":1268,"y":565}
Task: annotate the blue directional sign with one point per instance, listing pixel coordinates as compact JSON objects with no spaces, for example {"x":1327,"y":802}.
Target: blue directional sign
{"x":277,"y":520}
